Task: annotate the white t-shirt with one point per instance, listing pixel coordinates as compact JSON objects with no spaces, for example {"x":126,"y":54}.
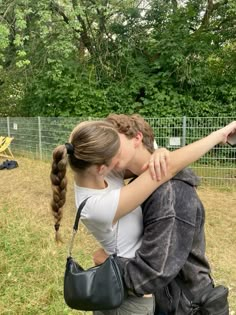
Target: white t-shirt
{"x":98,"y":214}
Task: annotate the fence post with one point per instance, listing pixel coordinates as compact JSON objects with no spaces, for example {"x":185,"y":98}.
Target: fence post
{"x":8,"y":127}
{"x":40,"y":140}
{"x":184,"y":131}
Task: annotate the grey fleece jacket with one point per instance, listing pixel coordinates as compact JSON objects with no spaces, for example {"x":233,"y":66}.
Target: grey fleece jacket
{"x":173,"y":244}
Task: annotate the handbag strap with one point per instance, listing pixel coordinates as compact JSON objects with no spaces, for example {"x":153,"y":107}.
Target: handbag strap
{"x":76,"y":225}
{"x":116,"y":239}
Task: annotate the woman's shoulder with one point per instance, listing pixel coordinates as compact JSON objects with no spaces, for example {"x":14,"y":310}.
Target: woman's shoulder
{"x":101,"y":208}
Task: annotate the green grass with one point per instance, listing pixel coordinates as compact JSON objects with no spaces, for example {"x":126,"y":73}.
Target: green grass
{"x":32,"y":265}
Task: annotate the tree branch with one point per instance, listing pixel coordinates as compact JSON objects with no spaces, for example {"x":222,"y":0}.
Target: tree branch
{"x":54,"y":6}
{"x":83,"y":34}
{"x":211,"y":7}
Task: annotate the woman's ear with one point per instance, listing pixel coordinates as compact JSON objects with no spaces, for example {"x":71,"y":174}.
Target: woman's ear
{"x":101,"y":169}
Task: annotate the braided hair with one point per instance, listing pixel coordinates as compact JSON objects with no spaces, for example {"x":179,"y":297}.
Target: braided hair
{"x":90,"y":143}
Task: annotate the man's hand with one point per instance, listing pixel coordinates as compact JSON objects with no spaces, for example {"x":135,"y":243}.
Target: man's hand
{"x":99,"y":256}
{"x":228,"y":131}
{"x":158,"y":163}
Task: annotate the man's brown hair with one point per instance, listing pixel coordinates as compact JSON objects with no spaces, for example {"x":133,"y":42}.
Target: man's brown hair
{"x":130,"y":125}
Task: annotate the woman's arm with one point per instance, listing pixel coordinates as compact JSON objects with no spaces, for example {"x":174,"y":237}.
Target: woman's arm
{"x":136,"y":192}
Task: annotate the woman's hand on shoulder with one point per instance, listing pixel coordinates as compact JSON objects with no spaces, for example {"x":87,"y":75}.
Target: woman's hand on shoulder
{"x":158,"y":163}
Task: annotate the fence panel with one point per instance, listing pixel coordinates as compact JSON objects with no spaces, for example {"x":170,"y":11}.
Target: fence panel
{"x":3,"y":126}
{"x":26,"y":137}
{"x":218,"y":167}
{"x":36,"y":137}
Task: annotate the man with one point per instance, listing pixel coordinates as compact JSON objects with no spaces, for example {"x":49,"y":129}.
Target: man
{"x":173,"y":246}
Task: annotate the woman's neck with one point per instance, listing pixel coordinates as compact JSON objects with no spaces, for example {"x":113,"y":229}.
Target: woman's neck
{"x":91,"y":181}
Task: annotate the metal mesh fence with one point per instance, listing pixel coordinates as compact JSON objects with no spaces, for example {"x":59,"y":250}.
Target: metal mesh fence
{"x":218,"y":167}
{"x":36,"y":137}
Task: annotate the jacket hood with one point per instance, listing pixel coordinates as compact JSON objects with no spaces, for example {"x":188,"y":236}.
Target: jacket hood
{"x":188,"y":176}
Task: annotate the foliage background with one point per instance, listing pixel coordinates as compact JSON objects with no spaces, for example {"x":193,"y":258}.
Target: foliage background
{"x":90,"y":58}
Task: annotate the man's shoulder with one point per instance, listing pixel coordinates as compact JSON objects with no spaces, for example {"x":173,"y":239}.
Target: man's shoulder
{"x":159,"y":201}
{"x":165,"y":189}
{"x":173,"y":187}
{"x":175,"y":198}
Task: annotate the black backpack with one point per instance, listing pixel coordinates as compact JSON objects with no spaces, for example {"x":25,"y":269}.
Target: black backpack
{"x":8,"y":164}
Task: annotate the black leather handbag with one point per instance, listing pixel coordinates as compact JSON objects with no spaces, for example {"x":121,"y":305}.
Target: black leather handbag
{"x":98,"y":288}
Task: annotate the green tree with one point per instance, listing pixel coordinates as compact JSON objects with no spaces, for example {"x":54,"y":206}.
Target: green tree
{"x":93,"y":57}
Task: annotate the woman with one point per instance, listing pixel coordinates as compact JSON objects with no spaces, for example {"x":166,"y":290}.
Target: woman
{"x":110,"y":201}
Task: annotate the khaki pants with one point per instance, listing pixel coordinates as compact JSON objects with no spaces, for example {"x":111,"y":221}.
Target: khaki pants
{"x":133,"y":305}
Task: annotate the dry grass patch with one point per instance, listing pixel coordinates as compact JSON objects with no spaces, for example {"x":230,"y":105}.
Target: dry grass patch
{"x":221,"y":236}
{"x":32,"y":265}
